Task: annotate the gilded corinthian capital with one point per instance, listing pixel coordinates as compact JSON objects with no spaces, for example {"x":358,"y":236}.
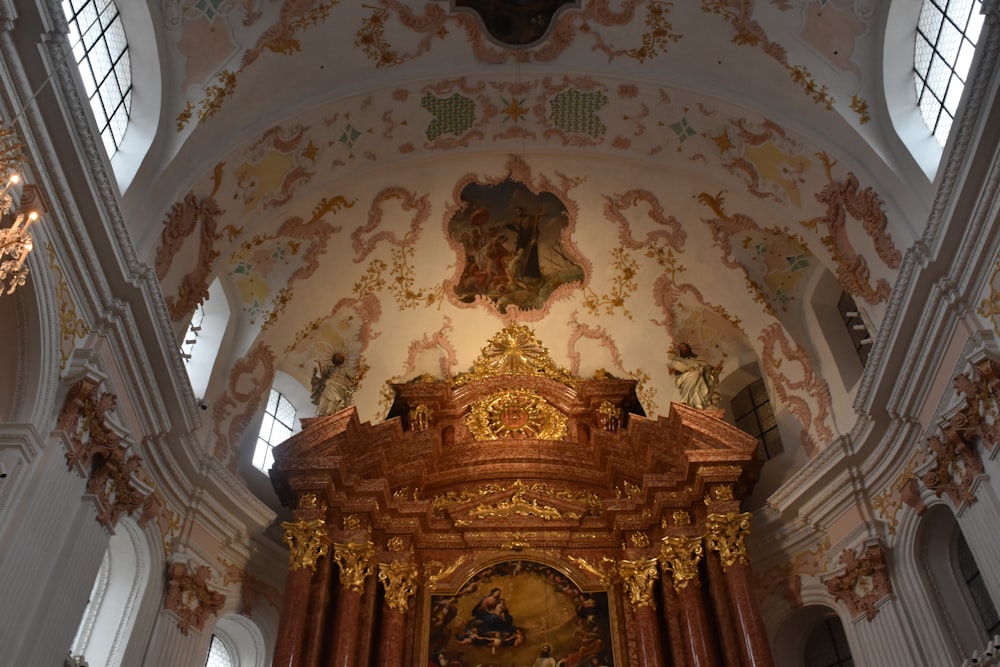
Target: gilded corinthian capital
{"x":638,"y":577}
{"x":400,"y":582}
{"x":356,"y":562}
{"x":681,"y":556}
{"x":307,"y":542}
{"x":726,"y":535}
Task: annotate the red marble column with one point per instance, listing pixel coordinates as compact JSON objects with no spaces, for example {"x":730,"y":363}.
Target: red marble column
{"x":346,"y":628}
{"x":681,"y":555}
{"x":726,"y":534}
{"x":308,"y":542}
{"x":648,"y":634}
{"x":750,"y":624}
{"x":672,"y":617}
{"x":355,"y":561}
{"x":399,"y":581}
{"x":701,"y":650}
{"x":319,"y":611}
{"x":292,"y":626}
{"x":724,"y":624}
{"x":638,"y":577}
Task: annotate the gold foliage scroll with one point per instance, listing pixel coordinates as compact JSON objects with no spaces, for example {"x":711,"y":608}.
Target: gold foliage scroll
{"x":727,"y":535}
{"x":681,"y":556}
{"x":307,"y":543}
{"x":400,"y":582}
{"x":638,"y":577}
{"x":355,"y":562}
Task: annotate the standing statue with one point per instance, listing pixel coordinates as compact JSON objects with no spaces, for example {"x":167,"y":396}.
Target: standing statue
{"x":333,"y":385}
{"x":697,"y":379}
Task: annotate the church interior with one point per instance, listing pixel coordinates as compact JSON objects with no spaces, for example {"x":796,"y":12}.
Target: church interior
{"x":558,"y":333}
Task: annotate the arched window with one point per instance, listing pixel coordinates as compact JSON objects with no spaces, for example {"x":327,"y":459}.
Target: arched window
{"x":947,"y":32}
{"x":236,"y":642}
{"x":103,"y":633}
{"x":979,"y":596}
{"x":219,"y":655}
{"x":277,"y":425}
{"x":960,"y":595}
{"x":827,"y":645}
{"x":753,"y":413}
{"x":97,"y":38}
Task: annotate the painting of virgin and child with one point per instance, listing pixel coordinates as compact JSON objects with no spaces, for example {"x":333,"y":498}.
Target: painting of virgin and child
{"x":523,"y":613}
{"x":512,"y":239}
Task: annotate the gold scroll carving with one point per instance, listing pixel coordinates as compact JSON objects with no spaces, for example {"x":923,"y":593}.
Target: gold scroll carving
{"x":518,"y":505}
{"x":307,"y":542}
{"x":727,"y":535}
{"x":515,"y":413}
{"x":443,"y":571}
{"x":590,"y":504}
{"x":355,"y":562}
{"x":399,"y":580}
{"x":638,"y":578}
{"x":681,"y":556}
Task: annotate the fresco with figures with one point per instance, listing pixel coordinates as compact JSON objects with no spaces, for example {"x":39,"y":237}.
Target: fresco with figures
{"x":513,"y":244}
{"x":520,"y":613}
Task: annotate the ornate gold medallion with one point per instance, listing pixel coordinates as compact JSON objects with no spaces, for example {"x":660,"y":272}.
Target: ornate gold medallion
{"x":515,"y":413}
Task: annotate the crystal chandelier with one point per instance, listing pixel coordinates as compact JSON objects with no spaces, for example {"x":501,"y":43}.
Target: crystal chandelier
{"x":15,"y":237}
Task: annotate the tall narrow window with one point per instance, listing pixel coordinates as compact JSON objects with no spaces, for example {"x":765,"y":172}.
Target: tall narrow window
{"x":97,"y":38}
{"x":202,"y":342}
{"x":278,"y":423}
{"x":753,"y":413}
{"x":827,"y":645}
{"x":856,"y":327}
{"x":193,"y":332}
{"x":981,"y":600}
{"x":947,"y":32}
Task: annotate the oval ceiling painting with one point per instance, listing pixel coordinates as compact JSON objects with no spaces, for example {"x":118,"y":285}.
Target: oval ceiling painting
{"x":514,"y":245}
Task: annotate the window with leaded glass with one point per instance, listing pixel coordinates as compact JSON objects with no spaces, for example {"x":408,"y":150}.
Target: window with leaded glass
{"x":752,"y":412}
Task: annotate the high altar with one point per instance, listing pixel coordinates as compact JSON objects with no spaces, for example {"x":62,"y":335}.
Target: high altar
{"x":517,"y":515}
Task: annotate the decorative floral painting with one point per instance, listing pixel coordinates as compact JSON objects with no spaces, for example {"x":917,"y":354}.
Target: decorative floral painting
{"x":513,"y":243}
{"x":520,"y":613}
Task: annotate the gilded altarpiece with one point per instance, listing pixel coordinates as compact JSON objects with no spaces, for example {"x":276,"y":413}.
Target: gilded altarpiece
{"x":515,"y":514}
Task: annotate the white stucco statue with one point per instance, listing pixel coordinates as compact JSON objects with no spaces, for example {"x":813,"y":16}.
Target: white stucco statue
{"x":333,"y":385}
{"x":696,"y":378}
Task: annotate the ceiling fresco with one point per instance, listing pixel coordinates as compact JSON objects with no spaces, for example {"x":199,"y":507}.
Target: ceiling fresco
{"x":628,"y":176}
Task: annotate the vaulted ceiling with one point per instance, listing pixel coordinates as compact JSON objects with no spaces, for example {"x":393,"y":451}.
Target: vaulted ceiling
{"x":358,"y":177}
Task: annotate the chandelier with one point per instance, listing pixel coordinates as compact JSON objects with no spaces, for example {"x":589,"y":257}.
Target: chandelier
{"x":15,"y":221}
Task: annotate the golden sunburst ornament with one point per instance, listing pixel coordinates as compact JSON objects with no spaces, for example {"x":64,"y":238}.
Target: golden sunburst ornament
{"x":514,"y":350}
{"x":515,"y":413}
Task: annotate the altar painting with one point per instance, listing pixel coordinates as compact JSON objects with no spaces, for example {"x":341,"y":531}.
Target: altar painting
{"x":518,"y":613}
{"x":513,"y":243}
